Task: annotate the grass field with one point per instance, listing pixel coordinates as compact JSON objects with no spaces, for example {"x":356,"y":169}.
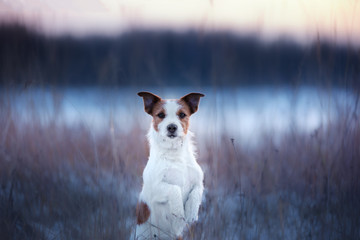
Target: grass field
{"x":69,"y":182}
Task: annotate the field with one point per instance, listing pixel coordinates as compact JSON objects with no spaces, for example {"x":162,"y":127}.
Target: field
{"x":69,"y":181}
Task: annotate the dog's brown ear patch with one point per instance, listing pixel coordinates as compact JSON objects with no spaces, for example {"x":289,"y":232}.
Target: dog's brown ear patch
{"x":142,"y":213}
{"x":150,"y":100}
{"x":192,"y":100}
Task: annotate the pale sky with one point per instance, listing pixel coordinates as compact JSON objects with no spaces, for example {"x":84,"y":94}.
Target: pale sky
{"x":303,"y":20}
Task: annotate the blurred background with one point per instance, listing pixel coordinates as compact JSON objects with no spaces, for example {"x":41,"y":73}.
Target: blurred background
{"x":277,"y":133}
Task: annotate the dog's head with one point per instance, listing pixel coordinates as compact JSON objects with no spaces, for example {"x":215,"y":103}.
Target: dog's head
{"x":171,"y":116}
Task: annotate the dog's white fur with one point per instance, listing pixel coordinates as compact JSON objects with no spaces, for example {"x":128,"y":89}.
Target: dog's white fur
{"x":172,"y":180}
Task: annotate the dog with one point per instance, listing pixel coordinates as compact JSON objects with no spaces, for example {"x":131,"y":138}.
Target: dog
{"x":172,"y":179}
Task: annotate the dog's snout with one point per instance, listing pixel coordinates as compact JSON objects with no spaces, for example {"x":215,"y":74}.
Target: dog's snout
{"x":172,"y":128}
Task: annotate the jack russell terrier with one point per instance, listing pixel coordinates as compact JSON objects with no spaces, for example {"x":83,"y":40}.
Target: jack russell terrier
{"x":173,"y":180}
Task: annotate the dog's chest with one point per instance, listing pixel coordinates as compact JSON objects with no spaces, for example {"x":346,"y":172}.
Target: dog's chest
{"x":182,"y":174}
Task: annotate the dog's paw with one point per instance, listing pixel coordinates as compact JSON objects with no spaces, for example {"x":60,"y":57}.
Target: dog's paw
{"x":190,"y":218}
{"x":178,"y":223}
{"x":191,"y":213}
{"x":178,"y":216}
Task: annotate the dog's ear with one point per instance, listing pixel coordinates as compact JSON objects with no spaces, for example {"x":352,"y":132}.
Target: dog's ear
{"x":149,"y":101}
{"x":192,"y":100}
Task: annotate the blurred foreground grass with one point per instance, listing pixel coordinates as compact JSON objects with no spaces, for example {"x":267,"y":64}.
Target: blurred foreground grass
{"x":67,"y":182}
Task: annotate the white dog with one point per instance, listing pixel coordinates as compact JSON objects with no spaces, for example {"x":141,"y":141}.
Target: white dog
{"x":173,"y":180}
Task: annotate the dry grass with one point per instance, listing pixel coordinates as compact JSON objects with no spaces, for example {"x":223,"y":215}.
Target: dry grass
{"x":61,"y":182}
{"x":306,"y":187}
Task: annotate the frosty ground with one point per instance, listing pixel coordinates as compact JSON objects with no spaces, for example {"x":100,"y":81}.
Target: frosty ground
{"x":279,"y":163}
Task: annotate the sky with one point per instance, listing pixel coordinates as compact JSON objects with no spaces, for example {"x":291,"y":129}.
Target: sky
{"x":301,"y":20}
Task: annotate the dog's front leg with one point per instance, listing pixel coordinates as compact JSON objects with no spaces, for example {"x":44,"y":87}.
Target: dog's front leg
{"x":175,"y":202}
{"x":170,"y":195}
{"x":192,"y":204}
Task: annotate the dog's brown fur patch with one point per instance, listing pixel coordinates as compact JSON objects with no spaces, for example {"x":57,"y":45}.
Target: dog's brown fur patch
{"x":184,"y":108}
{"x":158,"y":108}
{"x":142,"y":213}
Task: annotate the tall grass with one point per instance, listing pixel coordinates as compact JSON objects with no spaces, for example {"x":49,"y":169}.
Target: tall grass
{"x":60,"y":182}
{"x":69,"y":182}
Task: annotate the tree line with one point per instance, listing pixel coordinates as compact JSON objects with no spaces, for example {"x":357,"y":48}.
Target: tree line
{"x":166,"y":58}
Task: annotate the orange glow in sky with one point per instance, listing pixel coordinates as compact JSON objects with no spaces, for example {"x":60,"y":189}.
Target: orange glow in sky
{"x":304,"y":20}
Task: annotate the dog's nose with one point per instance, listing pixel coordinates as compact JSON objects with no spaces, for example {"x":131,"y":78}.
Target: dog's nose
{"x":171,"y":128}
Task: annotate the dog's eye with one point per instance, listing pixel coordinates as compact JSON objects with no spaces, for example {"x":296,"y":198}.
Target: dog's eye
{"x":161,"y":115}
{"x":182,"y":115}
